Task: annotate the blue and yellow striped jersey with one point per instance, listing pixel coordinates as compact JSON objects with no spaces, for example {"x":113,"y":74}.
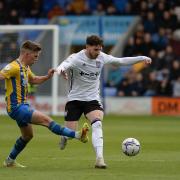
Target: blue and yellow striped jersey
{"x":16,"y":83}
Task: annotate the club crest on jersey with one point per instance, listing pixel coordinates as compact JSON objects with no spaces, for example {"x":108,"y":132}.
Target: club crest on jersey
{"x":98,"y":64}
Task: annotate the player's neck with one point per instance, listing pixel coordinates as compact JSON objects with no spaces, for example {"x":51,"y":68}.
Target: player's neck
{"x":20,"y":59}
{"x":87,"y":54}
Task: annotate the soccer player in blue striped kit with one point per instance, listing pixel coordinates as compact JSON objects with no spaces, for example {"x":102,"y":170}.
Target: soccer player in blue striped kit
{"x":17,"y":74}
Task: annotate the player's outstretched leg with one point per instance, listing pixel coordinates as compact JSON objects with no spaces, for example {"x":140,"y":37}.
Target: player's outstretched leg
{"x":83,"y":137}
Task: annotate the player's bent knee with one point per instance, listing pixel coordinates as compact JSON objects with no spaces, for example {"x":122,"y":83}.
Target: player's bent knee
{"x":46,"y":122}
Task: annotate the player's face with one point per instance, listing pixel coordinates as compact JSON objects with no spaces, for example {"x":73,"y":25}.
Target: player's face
{"x":32,"y":57}
{"x":93,"y":51}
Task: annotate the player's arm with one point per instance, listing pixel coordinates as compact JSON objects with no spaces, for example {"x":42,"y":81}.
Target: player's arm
{"x":40,"y":79}
{"x":128,"y":60}
{"x":64,"y":66}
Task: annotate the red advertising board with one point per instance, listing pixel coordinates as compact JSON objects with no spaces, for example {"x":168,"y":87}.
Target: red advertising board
{"x":166,"y":106}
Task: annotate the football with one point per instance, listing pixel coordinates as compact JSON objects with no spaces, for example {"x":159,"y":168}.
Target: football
{"x":130,"y":146}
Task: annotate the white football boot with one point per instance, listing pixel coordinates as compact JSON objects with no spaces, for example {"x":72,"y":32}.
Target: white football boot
{"x":100,"y":163}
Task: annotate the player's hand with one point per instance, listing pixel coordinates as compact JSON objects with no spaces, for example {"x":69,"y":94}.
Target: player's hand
{"x":147,"y":60}
{"x":50,"y":73}
{"x":62,"y":72}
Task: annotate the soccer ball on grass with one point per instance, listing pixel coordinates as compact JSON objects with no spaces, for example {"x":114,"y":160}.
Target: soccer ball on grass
{"x":130,"y":146}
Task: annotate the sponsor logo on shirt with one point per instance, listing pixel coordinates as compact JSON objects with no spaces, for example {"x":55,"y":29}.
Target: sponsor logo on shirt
{"x":90,"y":75}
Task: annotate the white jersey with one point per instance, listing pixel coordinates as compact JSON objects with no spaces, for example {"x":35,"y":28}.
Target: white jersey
{"x":85,"y":73}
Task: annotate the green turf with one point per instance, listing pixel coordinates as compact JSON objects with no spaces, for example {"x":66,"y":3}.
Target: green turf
{"x":159,"y":158}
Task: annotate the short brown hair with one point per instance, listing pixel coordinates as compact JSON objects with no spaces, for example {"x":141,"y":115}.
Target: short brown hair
{"x":94,"y":40}
{"x":30,"y":45}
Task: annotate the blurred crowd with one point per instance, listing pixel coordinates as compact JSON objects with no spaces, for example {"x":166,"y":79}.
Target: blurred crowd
{"x":156,"y":36}
{"x":12,"y":11}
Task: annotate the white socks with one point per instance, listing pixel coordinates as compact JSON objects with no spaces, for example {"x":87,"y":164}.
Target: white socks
{"x":97,"y":138}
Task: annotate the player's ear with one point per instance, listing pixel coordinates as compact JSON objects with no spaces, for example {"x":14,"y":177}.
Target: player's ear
{"x":27,"y":54}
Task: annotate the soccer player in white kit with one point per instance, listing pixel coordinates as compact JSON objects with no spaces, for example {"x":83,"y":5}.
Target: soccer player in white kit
{"x":84,"y":70}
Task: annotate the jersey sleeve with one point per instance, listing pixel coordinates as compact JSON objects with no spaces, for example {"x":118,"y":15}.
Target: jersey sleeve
{"x":9,"y":71}
{"x":66,"y":64}
{"x":109,"y":59}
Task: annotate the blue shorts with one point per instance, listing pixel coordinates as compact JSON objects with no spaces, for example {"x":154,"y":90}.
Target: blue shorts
{"x":22,"y":114}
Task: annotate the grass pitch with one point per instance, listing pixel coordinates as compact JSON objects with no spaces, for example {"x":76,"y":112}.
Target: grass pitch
{"x":159,"y":158}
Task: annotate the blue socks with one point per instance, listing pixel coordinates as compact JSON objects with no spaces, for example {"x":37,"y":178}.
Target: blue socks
{"x":18,"y":147}
{"x":57,"y":129}
{"x":54,"y":127}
